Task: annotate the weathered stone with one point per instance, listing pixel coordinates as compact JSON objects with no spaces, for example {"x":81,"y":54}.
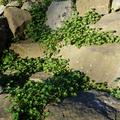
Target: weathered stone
{"x":109,"y":22}
{"x":28,"y":49}
{"x":100,"y":63}
{"x":57,"y":12}
{"x":17,"y":19}
{"x":91,"y":105}
{"x":2,"y":7}
{"x":101,"y":6}
{"x":13,"y":4}
{"x":26,"y":6}
{"x":115,"y":5}
{"x":40,"y":76}
{"x":4,"y":104}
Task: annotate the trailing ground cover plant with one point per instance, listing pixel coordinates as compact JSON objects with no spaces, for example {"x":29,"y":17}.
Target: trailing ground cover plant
{"x":61,"y":85}
{"x":37,"y":28}
{"x":74,"y":31}
{"x":12,"y":62}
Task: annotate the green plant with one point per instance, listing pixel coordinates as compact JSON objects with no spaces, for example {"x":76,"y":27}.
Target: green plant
{"x":65,"y":82}
{"x":2,"y":2}
{"x":61,"y":85}
{"x":37,"y":28}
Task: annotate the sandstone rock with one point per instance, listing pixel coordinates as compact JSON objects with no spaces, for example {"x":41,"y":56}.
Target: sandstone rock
{"x":100,"y":63}
{"x":57,"y":12}
{"x":4,"y":104}
{"x":91,"y":105}
{"x":2,"y":7}
{"x":13,"y":4}
{"x":109,"y":22}
{"x":17,"y":19}
{"x":28,"y":49}
{"x":101,"y":6}
{"x":26,"y":6}
{"x":115,"y":5}
{"x":40,"y":76}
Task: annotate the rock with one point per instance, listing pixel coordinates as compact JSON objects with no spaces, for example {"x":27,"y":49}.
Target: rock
{"x":28,"y":49}
{"x":91,"y":105}
{"x":5,"y":33}
{"x":101,"y":6}
{"x":17,"y":20}
{"x":4,"y":104}
{"x":109,"y":22}
{"x":40,"y":76}
{"x":115,"y":5}
{"x":26,"y":6}
{"x":57,"y":12}
{"x":2,"y":7}
{"x":13,"y":4}
{"x":100,"y":63}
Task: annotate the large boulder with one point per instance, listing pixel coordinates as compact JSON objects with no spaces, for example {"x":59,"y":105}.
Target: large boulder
{"x":91,"y":105}
{"x":28,"y":49}
{"x":101,"y":6}
{"x":17,"y":19}
{"x":57,"y":12}
{"x":4,"y":105}
{"x":109,"y":22}
{"x":100,"y":63}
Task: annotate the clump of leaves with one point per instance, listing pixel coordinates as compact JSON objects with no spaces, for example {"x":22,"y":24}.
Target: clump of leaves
{"x":11,"y":61}
{"x":37,"y":30}
{"x":29,"y":101}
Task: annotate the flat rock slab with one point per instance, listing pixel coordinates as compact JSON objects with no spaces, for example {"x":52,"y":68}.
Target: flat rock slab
{"x":100,"y":63}
{"x":57,"y":12}
{"x":28,"y":49}
{"x":4,"y":104}
{"x":91,"y":105}
{"x":109,"y":22}
{"x":40,"y":76}
{"x":101,"y":6}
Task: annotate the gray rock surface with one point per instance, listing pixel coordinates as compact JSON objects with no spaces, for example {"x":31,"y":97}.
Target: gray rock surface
{"x":4,"y":104}
{"x":40,"y":76}
{"x":109,"y":22}
{"x":100,"y":63}
{"x":115,"y":5}
{"x":101,"y":6}
{"x":57,"y":12}
{"x":2,"y":7}
{"x":13,"y":4}
{"x":91,"y":105}
{"x":28,"y":49}
{"x":17,"y":19}
{"x":27,"y":6}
